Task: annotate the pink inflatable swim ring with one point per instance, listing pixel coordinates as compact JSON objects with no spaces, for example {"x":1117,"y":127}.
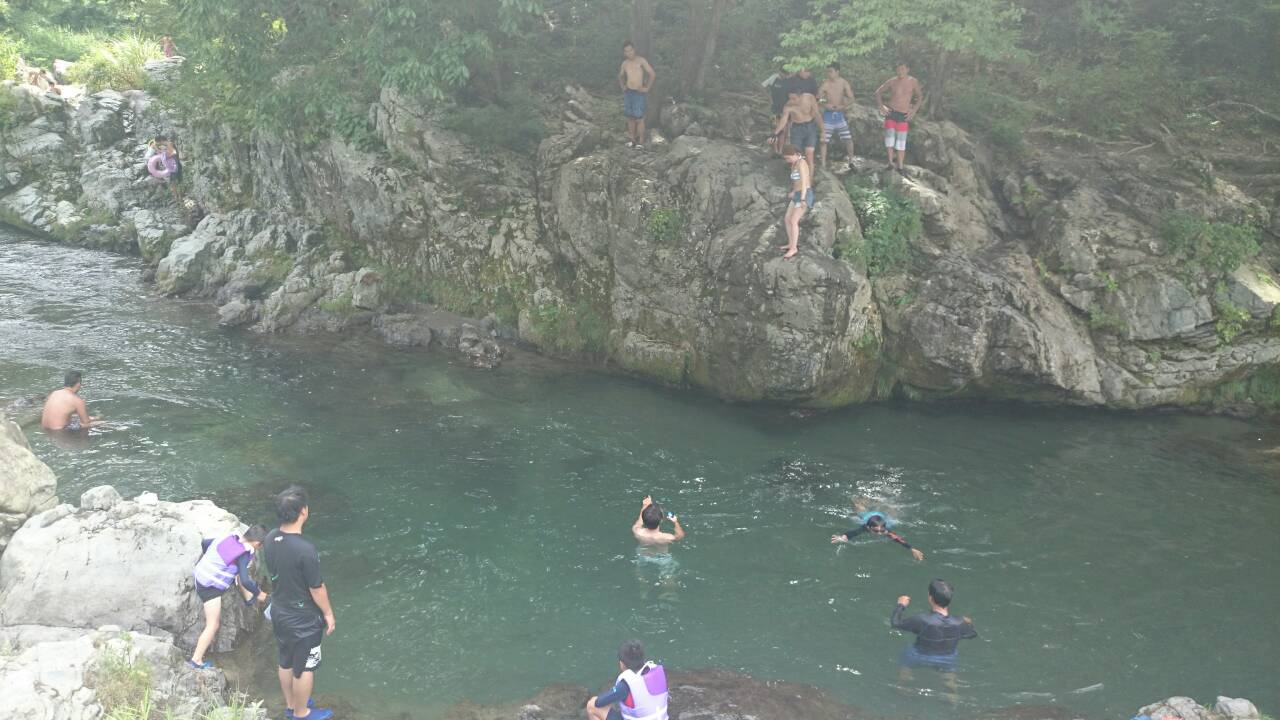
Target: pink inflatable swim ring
{"x":157,"y":168}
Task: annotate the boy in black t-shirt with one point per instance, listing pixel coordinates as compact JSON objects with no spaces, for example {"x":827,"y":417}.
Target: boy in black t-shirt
{"x":300,"y":612}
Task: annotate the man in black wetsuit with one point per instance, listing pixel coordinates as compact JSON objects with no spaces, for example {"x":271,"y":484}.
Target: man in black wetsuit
{"x":937,"y":634}
{"x":300,"y":611}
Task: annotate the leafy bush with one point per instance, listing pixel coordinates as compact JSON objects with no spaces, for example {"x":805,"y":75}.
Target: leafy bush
{"x":513,"y":122}
{"x":1215,"y":247}
{"x":890,"y":222}
{"x":665,"y":225}
{"x":42,"y":44}
{"x":1106,"y":321}
{"x":983,"y":106}
{"x":10,"y":49}
{"x":116,"y":64}
{"x":1232,"y":318}
{"x":121,"y":678}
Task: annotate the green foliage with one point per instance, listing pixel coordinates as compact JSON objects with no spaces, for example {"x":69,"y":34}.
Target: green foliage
{"x":1205,"y":246}
{"x":1108,"y":281}
{"x":1275,"y":318}
{"x":1232,"y":319}
{"x":665,"y":225}
{"x":513,"y":122}
{"x":121,"y":678}
{"x":341,"y":305}
{"x":843,"y":29}
{"x":890,"y":223}
{"x":306,"y":67}
{"x":10,"y":49}
{"x":575,"y":328}
{"x":987,"y":107}
{"x":116,"y":64}
{"x":1106,"y":321}
{"x":42,"y":44}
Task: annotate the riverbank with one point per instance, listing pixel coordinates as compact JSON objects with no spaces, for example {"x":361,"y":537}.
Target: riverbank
{"x":1050,"y":277}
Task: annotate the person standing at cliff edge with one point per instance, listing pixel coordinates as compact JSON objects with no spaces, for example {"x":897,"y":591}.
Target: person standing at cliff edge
{"x":300,"y":611}
{"x":905,"y":99}
{"x":635,"y":77}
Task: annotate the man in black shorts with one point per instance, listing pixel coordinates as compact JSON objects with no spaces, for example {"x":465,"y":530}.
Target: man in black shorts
{"x":300,"y":612}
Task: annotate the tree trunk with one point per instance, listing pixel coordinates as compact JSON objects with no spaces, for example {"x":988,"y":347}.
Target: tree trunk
{"x":642,"y":26}
{"x":694,"y":37}
{"x":709,"y":45}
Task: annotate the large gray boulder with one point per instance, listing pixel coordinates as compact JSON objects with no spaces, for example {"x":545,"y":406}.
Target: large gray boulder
{"x":117,"y":562}
{"x":27,"y":485}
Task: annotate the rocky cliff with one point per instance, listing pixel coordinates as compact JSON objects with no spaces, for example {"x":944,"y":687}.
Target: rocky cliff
{"x":1044,"y":276}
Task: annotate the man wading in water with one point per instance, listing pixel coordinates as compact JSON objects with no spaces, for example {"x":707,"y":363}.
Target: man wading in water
{"x":65,"y":409}
{"x":635,"y":77}
{"x":905,"y":99}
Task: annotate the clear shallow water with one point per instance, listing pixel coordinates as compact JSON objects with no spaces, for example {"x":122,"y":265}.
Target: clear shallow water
{"x":474,"y":525}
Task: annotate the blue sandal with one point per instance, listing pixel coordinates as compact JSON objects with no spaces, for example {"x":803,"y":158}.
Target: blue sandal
{"x":206,"y":665}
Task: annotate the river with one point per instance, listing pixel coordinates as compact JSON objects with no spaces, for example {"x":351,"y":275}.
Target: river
{"x":474,"y":525}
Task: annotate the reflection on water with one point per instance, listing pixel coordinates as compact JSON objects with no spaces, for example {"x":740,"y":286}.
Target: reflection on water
{"x":475,"y":535}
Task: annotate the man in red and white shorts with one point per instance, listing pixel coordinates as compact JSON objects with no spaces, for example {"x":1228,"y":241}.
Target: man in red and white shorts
{"x":905,"y":98}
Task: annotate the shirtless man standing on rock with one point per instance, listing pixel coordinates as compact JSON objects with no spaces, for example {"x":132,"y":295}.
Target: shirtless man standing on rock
{"x":905,"y":99}
{"x":65,"y":409}
{"x":836,"y":97}
{"x":635,"y":77}
{"x":804,"y":117}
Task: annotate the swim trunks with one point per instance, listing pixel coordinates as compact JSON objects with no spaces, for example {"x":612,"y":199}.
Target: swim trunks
{"x":834,"y":122}
{"x":633,"y":104}
{"x":895,"y":130}
{"x":797,"y":200}
{"x":207,"y":593}
{"x":804,"y":135}
{"x":299,"y":654}
{"x":911,"y":657}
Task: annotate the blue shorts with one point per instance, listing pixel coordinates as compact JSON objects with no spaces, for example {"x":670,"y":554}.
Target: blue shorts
{"x":834,"y":122}
{"x":804,"y":135}
{"x":633,"y":104}
{"x":914,"y":658}
{"x":802,"y":201}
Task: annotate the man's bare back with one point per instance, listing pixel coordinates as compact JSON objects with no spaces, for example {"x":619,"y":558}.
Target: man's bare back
{"x":902,"y":92}
{"x":646,"y":527}
{"x":637,"y":74}
{"x":838,"y":93}
{"x":64,"y":408}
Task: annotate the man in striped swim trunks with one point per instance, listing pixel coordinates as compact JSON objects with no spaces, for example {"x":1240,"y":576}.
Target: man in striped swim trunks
{"x":905,"y":99}
{"x":836,"y":97}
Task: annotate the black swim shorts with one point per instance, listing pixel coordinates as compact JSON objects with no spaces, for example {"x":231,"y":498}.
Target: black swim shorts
{"x":299,"y":654}
{"x":207,"y":593}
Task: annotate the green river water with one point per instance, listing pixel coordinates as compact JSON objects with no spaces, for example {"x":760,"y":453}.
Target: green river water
{"x":474,"y":526}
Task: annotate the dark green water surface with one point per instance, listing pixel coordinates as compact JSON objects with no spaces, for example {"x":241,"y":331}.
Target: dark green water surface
{"x":474,"y":526}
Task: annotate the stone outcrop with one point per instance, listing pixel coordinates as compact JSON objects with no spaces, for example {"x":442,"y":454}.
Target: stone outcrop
{"x":27,"y":485}
{"x":132,"y":560}
{"x":1185,"y":708}
{"x":1043,"y":277}
{"x":61,"y":674}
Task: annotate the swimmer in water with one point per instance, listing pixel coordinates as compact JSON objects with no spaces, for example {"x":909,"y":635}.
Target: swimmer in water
{"x":65,"y":409}
{"x":647,"y":526}
{"x":875,"y":523}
